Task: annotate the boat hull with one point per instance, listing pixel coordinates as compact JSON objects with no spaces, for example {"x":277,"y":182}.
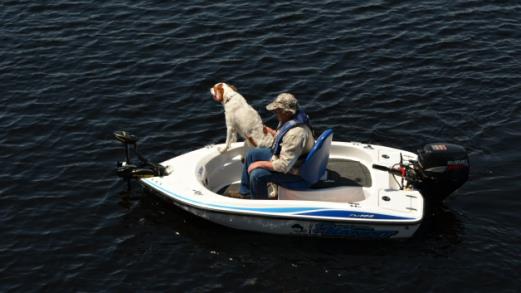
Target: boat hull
{"x":296,"y":227}
{"x":360,"y":208}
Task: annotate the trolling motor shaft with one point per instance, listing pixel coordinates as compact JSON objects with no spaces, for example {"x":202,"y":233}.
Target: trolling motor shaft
{"x":125,"y":138}
{"x":127,"y":169}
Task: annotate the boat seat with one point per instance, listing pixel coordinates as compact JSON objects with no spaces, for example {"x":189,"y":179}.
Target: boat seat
{"x":314,"y":166}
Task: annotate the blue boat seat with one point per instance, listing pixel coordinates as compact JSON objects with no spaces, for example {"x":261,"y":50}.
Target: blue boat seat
{"x":314,"y":166}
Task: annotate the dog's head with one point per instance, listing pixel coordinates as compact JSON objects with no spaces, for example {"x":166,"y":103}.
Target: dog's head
{"x":221,"y":92}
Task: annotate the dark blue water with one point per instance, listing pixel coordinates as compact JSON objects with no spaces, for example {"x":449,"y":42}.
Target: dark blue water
{"x":396,"y":73}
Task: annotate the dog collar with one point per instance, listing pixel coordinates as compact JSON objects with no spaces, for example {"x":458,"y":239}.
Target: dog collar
{"x":230,"y":98}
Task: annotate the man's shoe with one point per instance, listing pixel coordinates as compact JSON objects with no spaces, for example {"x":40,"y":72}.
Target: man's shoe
{"x":234,"y":195}
{"x":273,"y":191}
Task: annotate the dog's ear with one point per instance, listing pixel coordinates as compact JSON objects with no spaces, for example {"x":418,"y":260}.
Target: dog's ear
{"x":233,"y":87}
{"x":219,"y":92}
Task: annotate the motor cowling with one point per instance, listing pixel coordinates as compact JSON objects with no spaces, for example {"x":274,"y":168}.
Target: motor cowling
{"x":442,"y":169}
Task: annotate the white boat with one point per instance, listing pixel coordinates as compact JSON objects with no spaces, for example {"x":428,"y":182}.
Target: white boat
{"x":365,"y":191}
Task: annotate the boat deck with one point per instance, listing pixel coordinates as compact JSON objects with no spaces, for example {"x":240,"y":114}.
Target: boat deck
{"x":341,"y":172}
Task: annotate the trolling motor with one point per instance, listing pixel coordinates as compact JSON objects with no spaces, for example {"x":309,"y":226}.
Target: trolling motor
{"x":441,"y":168}
{"x":128,"y":170}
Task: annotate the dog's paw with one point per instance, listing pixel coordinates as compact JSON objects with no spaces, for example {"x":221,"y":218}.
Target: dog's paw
{"x":222,"y":149}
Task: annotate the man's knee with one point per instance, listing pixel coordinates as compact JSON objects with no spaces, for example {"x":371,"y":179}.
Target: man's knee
{"x":251,"y":156}
{"x":250,"y":153}
{"x":259,"y":175}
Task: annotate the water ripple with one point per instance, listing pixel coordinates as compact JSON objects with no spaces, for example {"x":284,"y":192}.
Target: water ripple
{"x":390,"y":73}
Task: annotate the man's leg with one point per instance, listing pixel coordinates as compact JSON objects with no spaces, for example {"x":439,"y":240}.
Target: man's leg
{"x":253,"y":155}
{"x":258,"y":183}
{"x":259,"y":179}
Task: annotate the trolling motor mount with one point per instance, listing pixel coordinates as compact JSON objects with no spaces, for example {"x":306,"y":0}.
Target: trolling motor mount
{"x":127,"y":169}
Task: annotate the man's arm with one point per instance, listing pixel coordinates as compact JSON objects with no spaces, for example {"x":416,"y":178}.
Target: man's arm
{"x":292,"y":146}
{"x":260,"y":164}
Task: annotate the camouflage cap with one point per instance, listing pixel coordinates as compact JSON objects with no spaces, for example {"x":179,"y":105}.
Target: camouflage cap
{"x":284,"y":101}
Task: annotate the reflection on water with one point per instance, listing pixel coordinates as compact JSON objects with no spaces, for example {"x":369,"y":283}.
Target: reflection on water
{"x":441,"y":228}
{"x":393,"y":73}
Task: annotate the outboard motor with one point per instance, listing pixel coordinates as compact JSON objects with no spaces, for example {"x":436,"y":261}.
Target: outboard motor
{"x":441,"y":169}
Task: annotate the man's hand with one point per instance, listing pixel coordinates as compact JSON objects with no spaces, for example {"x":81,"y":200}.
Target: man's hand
{"x":260,"y":164}
{"x":269,"y":130}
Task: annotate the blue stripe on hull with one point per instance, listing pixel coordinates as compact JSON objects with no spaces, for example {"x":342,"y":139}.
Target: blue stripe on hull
{"x":304,"y":211}
{"x":349,"y":214}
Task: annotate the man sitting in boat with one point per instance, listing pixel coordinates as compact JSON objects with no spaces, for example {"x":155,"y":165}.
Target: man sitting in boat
{"x":280,"y":163}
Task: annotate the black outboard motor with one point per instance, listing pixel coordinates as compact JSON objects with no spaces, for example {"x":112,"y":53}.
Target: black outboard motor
{"x":441,"y":169}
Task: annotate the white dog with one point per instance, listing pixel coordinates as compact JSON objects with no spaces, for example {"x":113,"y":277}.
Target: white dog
{"x":240,"y":118}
